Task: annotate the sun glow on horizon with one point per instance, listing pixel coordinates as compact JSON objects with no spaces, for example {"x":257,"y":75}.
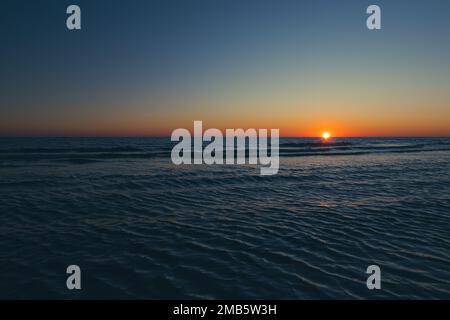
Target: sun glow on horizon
{"x":326,"y":135}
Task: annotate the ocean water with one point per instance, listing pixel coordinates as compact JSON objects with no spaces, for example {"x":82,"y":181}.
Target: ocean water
{"x":142,"y":228}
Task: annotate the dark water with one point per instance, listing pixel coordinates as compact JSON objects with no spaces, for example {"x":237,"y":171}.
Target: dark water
{"x":140,"y":227}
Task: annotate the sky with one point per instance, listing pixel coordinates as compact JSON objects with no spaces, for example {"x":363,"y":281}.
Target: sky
{"x":147,"y":67}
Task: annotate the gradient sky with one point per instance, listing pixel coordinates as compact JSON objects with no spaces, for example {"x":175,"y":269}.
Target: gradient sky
{"x":148,"y":67}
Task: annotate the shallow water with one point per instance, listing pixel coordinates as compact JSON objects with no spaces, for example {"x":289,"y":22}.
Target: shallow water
{"x":141,"y":227}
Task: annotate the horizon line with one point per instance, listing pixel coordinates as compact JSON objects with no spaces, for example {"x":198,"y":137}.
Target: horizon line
{"x":168,"y":136}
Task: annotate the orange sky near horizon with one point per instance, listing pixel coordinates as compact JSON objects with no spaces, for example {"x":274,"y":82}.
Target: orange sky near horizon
{"x":302,"y":69}
{"x":294,"y":126}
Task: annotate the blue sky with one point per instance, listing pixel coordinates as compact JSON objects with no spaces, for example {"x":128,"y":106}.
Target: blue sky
{"x":147,"y":67}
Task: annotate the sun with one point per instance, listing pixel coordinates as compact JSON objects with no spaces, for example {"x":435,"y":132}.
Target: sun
{"x":326,"y":135}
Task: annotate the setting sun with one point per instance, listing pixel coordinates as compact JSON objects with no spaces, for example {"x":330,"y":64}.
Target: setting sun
{"x":326,"y":135}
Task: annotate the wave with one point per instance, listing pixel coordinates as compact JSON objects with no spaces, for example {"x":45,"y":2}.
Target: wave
{"x":72,"y":150}
{"x":315,"y":144}
{"x":223,"y":232}
{"x":71,"y":153}
{"x":355,"y":153}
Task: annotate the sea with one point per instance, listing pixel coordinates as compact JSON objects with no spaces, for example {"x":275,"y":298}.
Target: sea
{"x":140,"y":227}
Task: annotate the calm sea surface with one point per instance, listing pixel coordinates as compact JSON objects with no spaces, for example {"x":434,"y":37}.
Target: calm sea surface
{"x":141,"y":227}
